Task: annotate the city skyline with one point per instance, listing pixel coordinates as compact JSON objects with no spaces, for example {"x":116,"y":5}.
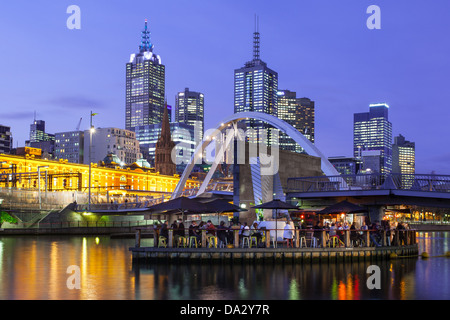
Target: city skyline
{"x":322,"y":51}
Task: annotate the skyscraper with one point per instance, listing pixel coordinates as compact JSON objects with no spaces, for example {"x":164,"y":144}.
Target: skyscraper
{"x":145,"y":85}
{"x":373,"y":131}
{"x":404,"y":159}
{"x":37,"y":132}
{"x":299,"y":113}
{"x":255,"y":88}
{"x":5,"y":139}
{"x":189,"y":109}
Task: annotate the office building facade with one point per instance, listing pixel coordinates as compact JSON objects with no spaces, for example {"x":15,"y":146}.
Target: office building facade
{"x":6,"y":142}
{"x":373,"y":131}
{"x":345,"y":165}
{"x":119,"y":142}
{"x":299,"y":113}
{"x":69,"y":146}
{"x":190,"y":109}
{"x":145,"y":86}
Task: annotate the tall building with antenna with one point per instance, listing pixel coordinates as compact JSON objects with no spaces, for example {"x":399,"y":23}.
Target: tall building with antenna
{"x":255,"y":87}
{"x":145,"y":85}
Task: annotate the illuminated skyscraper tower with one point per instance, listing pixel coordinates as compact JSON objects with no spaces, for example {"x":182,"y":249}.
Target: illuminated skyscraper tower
{"x":255,"y":87}
{"x":189,"y":109}
{"x":372,"y":131}
{"x":299,"y":113}
{"x":404,"y":159}
{"x":145,"y":85}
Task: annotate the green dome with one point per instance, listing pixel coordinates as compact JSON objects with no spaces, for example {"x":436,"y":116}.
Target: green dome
{"x":111,"y":159}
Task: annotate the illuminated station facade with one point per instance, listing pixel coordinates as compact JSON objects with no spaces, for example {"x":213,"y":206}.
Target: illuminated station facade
{"x":21,"y":171}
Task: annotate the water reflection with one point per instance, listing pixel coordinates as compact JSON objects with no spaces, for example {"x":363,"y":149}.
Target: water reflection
{"x":36,"y":268}
{"x":281,"y":282}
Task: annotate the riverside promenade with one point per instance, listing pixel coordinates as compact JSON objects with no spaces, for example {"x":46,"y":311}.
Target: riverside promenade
{"x":401,"y":244}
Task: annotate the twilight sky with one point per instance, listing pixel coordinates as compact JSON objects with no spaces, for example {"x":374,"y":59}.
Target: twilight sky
{"x":321,"y":49}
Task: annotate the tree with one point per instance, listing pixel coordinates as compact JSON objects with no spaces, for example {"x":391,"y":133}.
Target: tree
{"x":6,"y":217}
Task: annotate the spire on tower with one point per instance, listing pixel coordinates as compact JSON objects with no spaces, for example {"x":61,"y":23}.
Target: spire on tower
{"x":146,"y":45}
{"x":256,"y":39}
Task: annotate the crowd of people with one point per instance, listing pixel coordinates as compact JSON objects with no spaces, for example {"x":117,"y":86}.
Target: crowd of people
{"x":337,"y":229}
{"x":225,"y":233}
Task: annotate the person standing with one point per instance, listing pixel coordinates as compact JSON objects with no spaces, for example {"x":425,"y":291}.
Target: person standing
{"x":288,"y":234}
{"x":318,"y":233}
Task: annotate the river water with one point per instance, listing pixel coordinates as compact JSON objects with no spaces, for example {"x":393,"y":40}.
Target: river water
{"x":37,"y":268}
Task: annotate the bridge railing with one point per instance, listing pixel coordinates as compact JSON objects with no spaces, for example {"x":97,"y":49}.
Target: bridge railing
{"x":413,"y":182}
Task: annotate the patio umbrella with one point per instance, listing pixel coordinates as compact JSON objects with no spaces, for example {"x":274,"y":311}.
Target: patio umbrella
{"x":220,"y":206}
{"x":181,"y":205}
{"x":343,"y":207}
{"x":276,"y":204}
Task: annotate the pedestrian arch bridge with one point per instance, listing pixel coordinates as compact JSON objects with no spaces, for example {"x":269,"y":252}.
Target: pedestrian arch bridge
{"x":230,"y":123}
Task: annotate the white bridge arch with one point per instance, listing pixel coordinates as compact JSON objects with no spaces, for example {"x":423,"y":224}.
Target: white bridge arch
{"x":327,"y":168}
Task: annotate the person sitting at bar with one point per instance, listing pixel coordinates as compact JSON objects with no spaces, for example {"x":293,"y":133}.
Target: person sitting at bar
{"x":210,"y":230}
{"x":222,"y":232}
{"x":401,"y":234}
{"x":180,"y":231}
{"x":174,"y":227}
{"x":245,"y":231}
{"x":164,"y":232}
{"x":230,"y":233}
{"x":255,"y":232}
{"x":353,"y":234}
{"x":375,"y":234}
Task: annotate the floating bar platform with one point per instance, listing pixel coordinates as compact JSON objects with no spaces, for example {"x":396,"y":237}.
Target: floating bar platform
{"x":264,"y":255}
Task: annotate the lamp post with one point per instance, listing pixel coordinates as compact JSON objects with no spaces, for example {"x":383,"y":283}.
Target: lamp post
{"x":91,"y":131}
{"x":39,"y":184}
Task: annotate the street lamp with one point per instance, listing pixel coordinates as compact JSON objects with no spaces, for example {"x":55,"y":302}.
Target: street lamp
{"x":39,"y":184}
{"x":91,"y":131}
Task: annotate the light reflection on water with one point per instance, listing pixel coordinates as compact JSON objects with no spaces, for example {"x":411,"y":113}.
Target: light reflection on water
{"x":35,"y":268}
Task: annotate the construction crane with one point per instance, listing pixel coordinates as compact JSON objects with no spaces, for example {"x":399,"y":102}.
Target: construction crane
{"x":79,"y":123}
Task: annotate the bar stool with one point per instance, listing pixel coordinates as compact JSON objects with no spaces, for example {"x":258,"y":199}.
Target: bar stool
{"x":162,"y":242}
{"x":182,"y":242}
{"x":193,"y":241}
{"x":212,"y":242}
{"x":313,"y":242}
{"x":333,"y":242}
{"x":253,"y":240}
{"x":303,"y":238}
{"x":245,"y":239}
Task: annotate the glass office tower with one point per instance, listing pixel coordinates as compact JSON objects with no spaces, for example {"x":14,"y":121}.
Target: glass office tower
{"x":373,"y":131}
{"x":299,"y":113}
{"x":255,"y":89}
{"x":189,"y":109}
{"x":145,"y":86}
{"x":404,"y":159}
